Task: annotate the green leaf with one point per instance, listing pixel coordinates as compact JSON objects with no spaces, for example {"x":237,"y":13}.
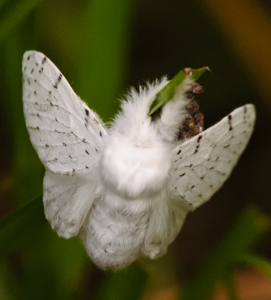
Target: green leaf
{"x":245,"y":234}
{"x":21,"y":227}
{"x":176,"y":86}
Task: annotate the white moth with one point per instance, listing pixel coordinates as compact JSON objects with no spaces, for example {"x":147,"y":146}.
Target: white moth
{"x":125,"y":190}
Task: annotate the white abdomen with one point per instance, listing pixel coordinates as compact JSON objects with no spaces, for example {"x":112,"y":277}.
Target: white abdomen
{"x":113,"y":236}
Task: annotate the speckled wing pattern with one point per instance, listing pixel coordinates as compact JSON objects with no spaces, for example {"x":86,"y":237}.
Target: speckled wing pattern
{"x":67,"y":136}
{"x":63,"y":129}
{"x":204,"y":162}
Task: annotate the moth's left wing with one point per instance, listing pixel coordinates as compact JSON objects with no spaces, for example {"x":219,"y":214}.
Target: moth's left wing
{"x":204,"y":162}
{"x":68,"y":137}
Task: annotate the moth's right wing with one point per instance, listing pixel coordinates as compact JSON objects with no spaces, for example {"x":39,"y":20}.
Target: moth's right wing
{"x":204,"y":162}
{"x":67,"y":136}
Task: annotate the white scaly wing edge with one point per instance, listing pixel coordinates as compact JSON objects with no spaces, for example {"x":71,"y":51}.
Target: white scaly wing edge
{"x":67,"y":136}
{"x":204,"y":162}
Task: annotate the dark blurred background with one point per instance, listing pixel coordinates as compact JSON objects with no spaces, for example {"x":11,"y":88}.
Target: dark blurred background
{"x":102,"y":48}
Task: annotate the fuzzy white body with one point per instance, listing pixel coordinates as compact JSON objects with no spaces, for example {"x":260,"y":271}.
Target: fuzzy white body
{"x":125,"y":190}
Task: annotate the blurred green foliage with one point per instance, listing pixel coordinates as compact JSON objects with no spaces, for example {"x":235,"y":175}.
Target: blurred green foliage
{"x":102,"y":47}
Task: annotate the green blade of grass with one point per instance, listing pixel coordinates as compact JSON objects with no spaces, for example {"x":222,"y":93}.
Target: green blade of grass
{"x":27,"y":167}
{"x":14,"y":14}
{"x":103,"y":52}
{"x":21,"y":227}
{"x":244,"y":235}
{"x":175,"y":86}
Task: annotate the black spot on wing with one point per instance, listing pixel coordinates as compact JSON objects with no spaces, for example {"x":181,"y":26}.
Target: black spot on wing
{"x":101,"y":134}
{"x":179,"y":152}
{"x":87,"y":112}
{"x":198,"y":144}
{"x":229,"y":121}
{"x":58,"y":80}
{"x":245,"y":114}
{"x":43,"y":60}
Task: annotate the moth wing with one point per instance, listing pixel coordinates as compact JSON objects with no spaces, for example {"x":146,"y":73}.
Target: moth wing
{"x":204,"y":162}
{"x":67,"y":201}
{"x":67,"y":136}
{"x":164,"y":224}
{"x":65,"y":132}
